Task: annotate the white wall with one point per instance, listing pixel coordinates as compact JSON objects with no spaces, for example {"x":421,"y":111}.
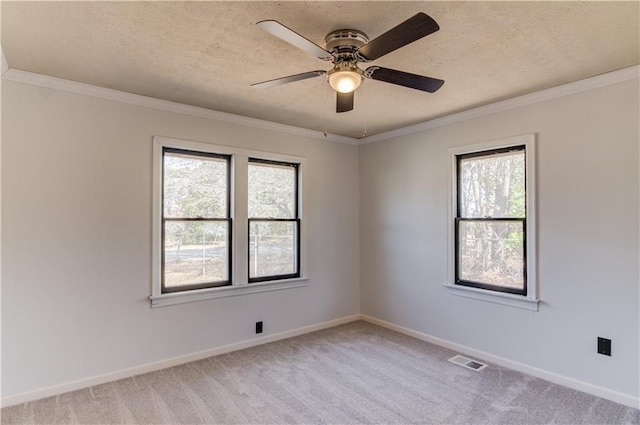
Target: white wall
{"x":587,"y":176}
{"x":76,"y":240}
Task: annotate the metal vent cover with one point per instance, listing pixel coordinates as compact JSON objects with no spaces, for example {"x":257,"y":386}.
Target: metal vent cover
{"x":467,"y":362}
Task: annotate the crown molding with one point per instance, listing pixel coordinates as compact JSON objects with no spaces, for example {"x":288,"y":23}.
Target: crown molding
{"x":602,"y":80}
{"x":41,"y":80}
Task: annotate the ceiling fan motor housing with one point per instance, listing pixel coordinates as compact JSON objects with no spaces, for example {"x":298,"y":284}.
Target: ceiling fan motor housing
{"x":345,"y":41}
{"x":343,"y":45}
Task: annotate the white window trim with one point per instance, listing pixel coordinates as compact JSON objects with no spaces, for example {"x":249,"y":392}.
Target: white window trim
{"x":239,"y":228}
{"x":530,"y":301}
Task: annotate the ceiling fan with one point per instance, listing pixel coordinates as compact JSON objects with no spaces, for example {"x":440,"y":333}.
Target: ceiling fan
{"x":346,"y":48}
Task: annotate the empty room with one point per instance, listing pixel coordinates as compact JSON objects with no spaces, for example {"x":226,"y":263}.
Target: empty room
{"x":330,"y":212}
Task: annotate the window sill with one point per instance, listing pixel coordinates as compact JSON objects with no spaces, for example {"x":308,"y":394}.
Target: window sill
{"x":511,"y":300}
{"x":225,"y":291}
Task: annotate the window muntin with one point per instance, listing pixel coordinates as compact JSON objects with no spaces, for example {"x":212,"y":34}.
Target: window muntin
{"x":196,"y":220}
{"x":490,"y":224}
{"x":274,"y":224}
{"x":226,"y":220}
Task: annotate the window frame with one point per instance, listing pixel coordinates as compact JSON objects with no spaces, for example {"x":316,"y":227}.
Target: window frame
{"x":214,"y":284}
{"x":459,"y":219}
{"x":239,"y":228}
{"x":296,"y":220}
{"x":527,"y":298}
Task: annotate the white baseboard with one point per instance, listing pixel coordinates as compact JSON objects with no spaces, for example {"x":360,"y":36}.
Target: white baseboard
{"x":615,"y":396}
{"x":163,"y":364}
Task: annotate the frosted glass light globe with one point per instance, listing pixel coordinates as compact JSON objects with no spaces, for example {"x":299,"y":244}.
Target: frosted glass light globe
{"x":345,"y":81}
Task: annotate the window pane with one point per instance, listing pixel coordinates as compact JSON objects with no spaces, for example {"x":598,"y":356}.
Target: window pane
{"x":492,"y":252}
{"x":493,"y":185}
{"x":272,"y":191}
{"x":272,"y":248}
{"x":194,"y":186}
{"x":195,"y":252}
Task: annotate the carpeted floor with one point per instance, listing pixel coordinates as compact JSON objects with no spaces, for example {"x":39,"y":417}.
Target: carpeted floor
{"x":356,"y":373}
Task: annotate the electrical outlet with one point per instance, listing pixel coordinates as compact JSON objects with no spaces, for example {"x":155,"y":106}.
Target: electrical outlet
{"x":258,"y":327}
{"x":604,"y":346}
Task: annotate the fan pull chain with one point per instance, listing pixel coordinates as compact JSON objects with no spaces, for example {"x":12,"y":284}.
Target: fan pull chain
{"x":365,"y":112}
{"x":325,"y":84}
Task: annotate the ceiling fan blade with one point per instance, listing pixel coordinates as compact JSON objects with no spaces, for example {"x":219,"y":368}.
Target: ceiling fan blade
{"x":344,"y":102}
{"x":412,"y":29}
{"x":289,"y":79}
{"x":292,"y":37}
{"x":413,"y":81}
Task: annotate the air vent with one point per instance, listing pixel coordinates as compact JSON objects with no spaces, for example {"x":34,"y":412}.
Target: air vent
{"x":467,"y":362}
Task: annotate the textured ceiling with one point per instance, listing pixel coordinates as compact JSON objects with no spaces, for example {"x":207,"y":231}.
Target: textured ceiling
{"x":208,"y":53}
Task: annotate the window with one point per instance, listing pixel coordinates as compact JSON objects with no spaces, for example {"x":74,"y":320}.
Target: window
{"x":493,"y":234}
{"x":273,"y":220}
{"x":490,"y":223}
{"x":226,"y":222}
{"x":196,"y":220}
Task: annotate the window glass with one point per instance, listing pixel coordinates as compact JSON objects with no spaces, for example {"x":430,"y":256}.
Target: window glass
{"x":196,"y":225}
{"x":492,"y":186}
{"x":199,"y":210}
{"x":195,"y":252}
{"x":272,"y":249}
{"x":492,"y":252}
{"x":272,"y":191}
{"x":273,"y":220}
{"x":194,"y":186}
{"x":491,"y":220}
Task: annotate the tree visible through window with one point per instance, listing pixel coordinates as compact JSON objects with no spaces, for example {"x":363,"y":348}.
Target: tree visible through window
{"x":223,"y":218}
{"x":491,"y":220}
{"x":274,"y":224}
{"x":196,"y":224}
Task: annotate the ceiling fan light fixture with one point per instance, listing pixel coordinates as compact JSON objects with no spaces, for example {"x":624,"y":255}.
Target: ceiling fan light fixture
{"x":346,"y":48}
{"x":345,"y":81}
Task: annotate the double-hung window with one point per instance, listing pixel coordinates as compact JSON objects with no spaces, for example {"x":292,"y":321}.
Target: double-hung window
{"x":493,"y":236}
{"x":196,"y":220}
{"x":226,"y":221}
{"x":274,"y":226}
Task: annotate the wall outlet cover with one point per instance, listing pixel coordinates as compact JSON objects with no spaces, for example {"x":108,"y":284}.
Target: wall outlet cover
{"x":604,"y":346}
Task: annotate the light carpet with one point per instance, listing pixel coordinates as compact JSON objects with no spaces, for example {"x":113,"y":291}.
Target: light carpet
{"x":355,"y":373}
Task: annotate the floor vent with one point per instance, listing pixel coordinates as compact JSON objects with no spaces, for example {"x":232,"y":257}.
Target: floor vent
{"x":467,"y":362}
